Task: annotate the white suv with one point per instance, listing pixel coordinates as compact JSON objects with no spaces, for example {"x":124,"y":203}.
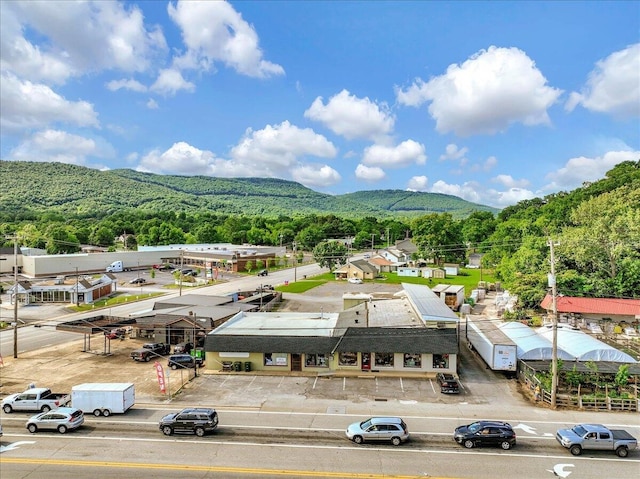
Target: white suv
{"x":391,"y":429}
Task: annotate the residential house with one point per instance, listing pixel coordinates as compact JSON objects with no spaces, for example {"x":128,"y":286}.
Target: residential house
{"x":359,"y":268}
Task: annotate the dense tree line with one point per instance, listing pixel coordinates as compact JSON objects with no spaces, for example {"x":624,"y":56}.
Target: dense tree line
{"x":596,"y":229}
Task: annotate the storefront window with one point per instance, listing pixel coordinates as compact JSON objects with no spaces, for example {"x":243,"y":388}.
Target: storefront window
{"x":316,"y":360}
{"x":412,"y":361}
{"x":384,"y":359}
{"x":275,"y":359}
{"x":441,"y":361}
{"x":348,"y":359}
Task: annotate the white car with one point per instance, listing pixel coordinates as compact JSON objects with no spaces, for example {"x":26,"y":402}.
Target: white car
{"x":355,"y":280}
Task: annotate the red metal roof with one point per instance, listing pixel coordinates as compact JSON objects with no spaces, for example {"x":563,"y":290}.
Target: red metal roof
{"x":613,"y":306}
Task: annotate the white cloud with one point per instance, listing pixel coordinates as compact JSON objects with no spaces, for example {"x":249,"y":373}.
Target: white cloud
{"x":62,"y":147}
{"x":418,"y":183}
{"x":476,"y":192}
{"x":369,"y":174}
{"x":280,"y":146}
{"x":315,"y":176}
{"x":452,"y":152}
{"x":352,"y":117}
{"x":152,"y":104}
{"x":126,"y":84}
{"x":275,"y":151}
{"x":80,"y":37}
{"x":407,"y":153}
{"x":27,"y":105}
{"x":509,"y":182}
{"x":492,"y":90}
{"x":170,"y":81}
{"x":214,"y":31}
{"x":613,"y":86}
{"x":181,"y":158}
{"x":579,"y":170}
{"x":490,"y":163}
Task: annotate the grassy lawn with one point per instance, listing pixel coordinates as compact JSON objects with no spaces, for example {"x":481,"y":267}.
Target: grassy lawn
{"x":469,"y":279}
{"x":114,"y":301}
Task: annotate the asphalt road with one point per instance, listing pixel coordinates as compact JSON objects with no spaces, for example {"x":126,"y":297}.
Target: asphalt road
{"x":288,"y":444}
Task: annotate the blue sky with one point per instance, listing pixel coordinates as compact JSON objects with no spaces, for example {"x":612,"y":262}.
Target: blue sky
{"x":493,"y":102}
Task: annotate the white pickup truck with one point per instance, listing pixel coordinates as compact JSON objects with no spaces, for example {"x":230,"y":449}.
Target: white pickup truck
{"x":597,"y":437}
{"x":35,"y":399}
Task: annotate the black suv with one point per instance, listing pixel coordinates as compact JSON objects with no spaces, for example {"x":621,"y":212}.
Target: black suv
{"x":263,"y":272}
{"x":486,"y":433}
{"x":448,"y":383}
{"x":183,"y":361}
{"x":196,"y":421}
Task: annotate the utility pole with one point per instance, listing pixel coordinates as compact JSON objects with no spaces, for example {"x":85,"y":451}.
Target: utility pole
{"x":77,"y":289}
{"x":554,"y":350}
{"x":15,"y":296}
{"x":388,"y":238}
{"x":181,"y":268}
{"x":295,"y":262}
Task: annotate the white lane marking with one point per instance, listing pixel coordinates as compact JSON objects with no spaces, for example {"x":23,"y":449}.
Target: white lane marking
{"x":559,"y":471}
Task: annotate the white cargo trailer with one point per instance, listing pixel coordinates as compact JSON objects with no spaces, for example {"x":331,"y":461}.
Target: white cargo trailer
{"x":103,"y":398}
{"x":495,"y":347}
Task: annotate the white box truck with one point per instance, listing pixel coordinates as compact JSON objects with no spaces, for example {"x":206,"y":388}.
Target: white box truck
{"x":495,"y":347}
{"x":103,"y":399}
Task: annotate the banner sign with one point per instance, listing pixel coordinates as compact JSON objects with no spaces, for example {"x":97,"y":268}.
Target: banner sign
{"x":160,"y":374}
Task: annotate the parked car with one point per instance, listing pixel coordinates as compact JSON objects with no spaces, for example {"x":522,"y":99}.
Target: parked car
{"x":355,"y":280}
{"x":163,"y":267}
{"x":448,"y":383}
{"x":263,"y":272}
{"x":150,"y":351}
{"x":177,"y":361}
{"x":182,"y":348}
{"x":137,"y":281}
{"x":62,"y":420}
{"x":392,"y":429}
{"x":196,"y":421}
{"x":118,"y":333}
{"x":486,"y":433}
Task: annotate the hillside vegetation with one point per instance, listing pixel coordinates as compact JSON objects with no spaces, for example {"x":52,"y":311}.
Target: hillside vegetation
{"x":76,"y":190}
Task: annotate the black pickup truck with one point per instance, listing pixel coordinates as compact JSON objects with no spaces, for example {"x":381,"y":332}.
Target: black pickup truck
{"x":150,"y":351}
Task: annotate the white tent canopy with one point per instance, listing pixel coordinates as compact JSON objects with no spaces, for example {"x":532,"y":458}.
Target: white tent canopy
{"x":531,"y":346}
{"x":584,"y":347}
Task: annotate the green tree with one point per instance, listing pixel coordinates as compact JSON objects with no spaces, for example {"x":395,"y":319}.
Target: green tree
{"x":248,"y":266}
{"x":439,"y":237}
{"x":330,"y":254}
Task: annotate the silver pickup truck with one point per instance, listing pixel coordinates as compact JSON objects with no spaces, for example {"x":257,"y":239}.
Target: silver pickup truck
{"x":596,"y":437}
{"x":35,"y":399}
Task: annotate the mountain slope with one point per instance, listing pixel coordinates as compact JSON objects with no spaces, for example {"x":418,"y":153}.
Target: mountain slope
{"x":77,"y":190}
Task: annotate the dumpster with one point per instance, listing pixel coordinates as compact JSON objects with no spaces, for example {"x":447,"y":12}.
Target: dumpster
{"x":247,"y":366}
{"x":237,"y":366}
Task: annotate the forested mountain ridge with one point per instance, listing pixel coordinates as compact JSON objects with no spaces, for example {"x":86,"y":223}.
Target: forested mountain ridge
{"x":77,"y":190}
